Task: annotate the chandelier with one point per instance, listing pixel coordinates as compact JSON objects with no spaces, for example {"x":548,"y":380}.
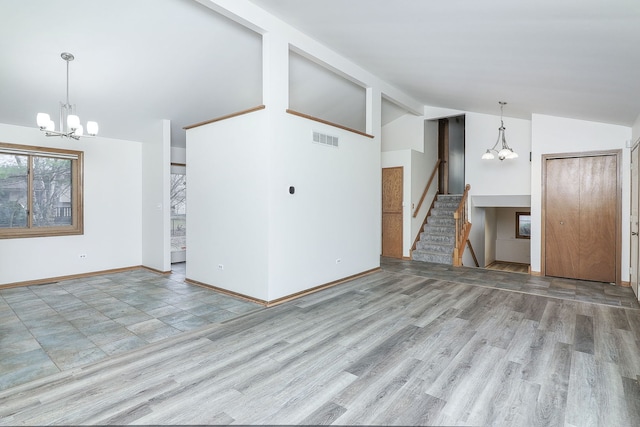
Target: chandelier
{"x":70,"y":126}
{"x":505,"y":151}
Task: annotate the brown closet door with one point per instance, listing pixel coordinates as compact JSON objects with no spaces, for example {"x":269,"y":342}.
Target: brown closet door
{"x":562,"y":224}
{"x":598,"y":218}
{"x":392,"y":188}
{"x":580,"y":218}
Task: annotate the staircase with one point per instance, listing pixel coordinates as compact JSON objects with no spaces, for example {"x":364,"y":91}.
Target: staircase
{"x":437,"y":239}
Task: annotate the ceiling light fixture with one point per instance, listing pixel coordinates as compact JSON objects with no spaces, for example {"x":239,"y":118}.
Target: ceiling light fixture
{"x":70,"y":126}
{"x":505,"y":152}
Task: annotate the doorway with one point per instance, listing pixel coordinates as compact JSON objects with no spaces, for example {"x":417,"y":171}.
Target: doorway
{"x":451,"y":145}
{"x":582,"y":202}
{"x":178,"y":197}
{"x":392,"y":225}
{"x":635,"y":204}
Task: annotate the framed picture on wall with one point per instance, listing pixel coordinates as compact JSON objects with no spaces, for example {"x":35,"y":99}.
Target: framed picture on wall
{"x":523,"y":225}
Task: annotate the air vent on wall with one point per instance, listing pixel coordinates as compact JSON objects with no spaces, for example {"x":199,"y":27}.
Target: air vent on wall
{"x":323,"y":138}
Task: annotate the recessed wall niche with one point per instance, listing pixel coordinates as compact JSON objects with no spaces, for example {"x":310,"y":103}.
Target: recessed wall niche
{"x":322,"y":93}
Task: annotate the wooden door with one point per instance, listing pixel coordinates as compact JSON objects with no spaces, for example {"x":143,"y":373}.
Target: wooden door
{"x":581,"y":200}
{"x":392,"y":188}
{"x":635,"y":204}
{"x":562,"y":227}
{"x":598,"y":218}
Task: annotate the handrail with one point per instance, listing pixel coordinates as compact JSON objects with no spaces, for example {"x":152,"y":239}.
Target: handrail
{"x":462,"y":227}
{"x":426,"y":188}
{"x":326,"y":122}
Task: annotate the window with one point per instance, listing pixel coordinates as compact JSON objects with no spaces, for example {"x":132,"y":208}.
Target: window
{"x":523,"y":225}
{"x":178,"y":213}
{"x":40,"y":191}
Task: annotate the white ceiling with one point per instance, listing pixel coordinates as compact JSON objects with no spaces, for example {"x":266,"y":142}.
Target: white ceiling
{"x":138,"y":61}
{"x":569,"y":58}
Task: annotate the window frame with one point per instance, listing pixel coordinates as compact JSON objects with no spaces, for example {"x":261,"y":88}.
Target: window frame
{"x":77,"y":192}
{"x":518,"y":215}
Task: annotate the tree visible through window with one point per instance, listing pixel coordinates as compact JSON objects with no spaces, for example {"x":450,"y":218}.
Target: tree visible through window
{"x":40,"y":191}
{"x":178,"y":212}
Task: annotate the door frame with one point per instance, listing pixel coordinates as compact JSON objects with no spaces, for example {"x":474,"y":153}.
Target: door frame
{"x":402,"y":224}
{"x":634,"y":249}
{"x":177,"y":256}
{"x":599,"y":153}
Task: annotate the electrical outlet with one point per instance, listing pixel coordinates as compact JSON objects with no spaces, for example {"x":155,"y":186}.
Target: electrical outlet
{"x":220,"y":267}
{"x":338,"y":261}
{"x":82,"y":256}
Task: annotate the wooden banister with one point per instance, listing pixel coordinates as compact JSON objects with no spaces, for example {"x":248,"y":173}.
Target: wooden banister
{"x":462,"y":227}
{"x":426,"y":188}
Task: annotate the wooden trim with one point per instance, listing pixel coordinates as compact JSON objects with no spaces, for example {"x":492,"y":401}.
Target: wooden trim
{"x":518,"y":215}
{"x":77,"y":194}
{"x":535,"y":273}
{"x":178,"y":164}
{"x":285,"y":298}
{"x":462,"y":228}
{"x":543,"y":192}
{"x":473,"y":253}
{"x":227,"y":292}
{"x":228,"y":116}
{"x":321,"y":287}
{"x":315,"y":119}
{"x":153,"y":270}
{"x":625,"y":284}
{"x":426,"y":188}
{"x":52,"y":280}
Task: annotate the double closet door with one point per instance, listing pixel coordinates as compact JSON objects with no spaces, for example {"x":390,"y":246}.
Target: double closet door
{"x":582,"y":205}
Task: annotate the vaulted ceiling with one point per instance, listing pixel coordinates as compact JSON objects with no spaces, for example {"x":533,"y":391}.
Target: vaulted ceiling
{"x":142,"y":60}
{"x":570,"y":58}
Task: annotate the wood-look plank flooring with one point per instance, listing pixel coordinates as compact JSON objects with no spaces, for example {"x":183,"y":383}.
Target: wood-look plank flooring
{"x":386,"y":349}
{"x":513,"y":267}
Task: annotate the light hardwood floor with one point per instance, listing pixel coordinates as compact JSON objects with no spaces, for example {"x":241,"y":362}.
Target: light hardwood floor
{"x":390,"y":348}
{"x":513,"y":267}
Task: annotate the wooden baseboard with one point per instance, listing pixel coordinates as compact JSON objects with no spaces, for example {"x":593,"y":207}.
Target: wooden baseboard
{"x":321,"y":287}
{"x":285,"y":298}
{"x":625,"y":284}
{"x":69,"y":277}
{"x":535,"y":273}
{"x":227,"y":292}
{"x":153,"y":270}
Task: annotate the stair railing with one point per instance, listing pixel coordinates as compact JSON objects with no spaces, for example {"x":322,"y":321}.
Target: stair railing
{"x":426,"y":188}
{"x":424,"y":194}
{"x":463,"y":227}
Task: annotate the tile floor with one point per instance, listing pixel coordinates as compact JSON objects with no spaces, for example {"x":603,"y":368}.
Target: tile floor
{"x":56,"y":327}
{"x":46,"y":329}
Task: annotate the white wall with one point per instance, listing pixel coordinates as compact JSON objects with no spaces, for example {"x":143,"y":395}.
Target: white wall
{"x":156,"y":206}
{"x":495,"y":177}
{"x":404,"y":133}
{"x":508,"y":248}
{"x":504,"y":179}
{"x":488,"y":255}
{"x":178,"y":155}
{"x":635,"y":130}
{"x":417,"y":163}
{"x":560,"y":135}
{"x":422,"y":164}
{"x":334,"y":213}
{"x":112,"y":213}
{"x":227,"y":204}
